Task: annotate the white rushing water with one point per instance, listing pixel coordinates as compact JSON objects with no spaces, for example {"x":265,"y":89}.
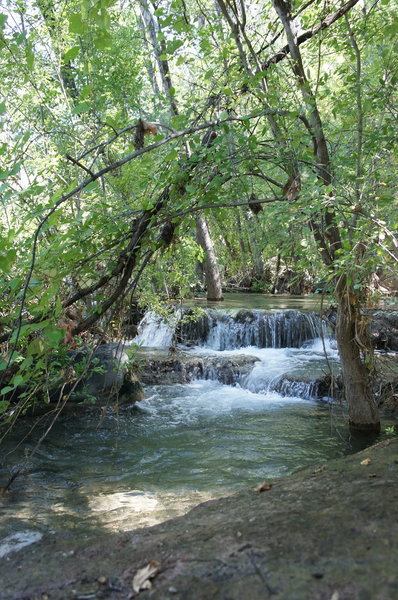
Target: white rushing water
{"x":290,"y":353}
{"x":184,"y":443}
{"x":156,"y":332}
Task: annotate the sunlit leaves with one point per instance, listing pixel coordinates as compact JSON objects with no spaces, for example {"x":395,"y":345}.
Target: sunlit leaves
{"x":83,"y":85}
{"x":72,"y":53}
{"x":80,"y":108}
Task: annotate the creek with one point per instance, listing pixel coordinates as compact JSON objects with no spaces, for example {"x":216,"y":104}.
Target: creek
{"x":187,"y":442}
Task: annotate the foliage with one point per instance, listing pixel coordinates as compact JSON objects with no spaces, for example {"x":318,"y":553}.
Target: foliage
{"x":75,"y":80}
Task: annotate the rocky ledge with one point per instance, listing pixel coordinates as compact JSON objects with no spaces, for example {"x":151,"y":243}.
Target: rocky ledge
{"x":325,"y":533}
{"x":170,"y":368}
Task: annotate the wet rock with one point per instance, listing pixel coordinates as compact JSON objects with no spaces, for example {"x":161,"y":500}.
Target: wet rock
{"x":102,"y":374}
{"x":384,"y":329}
{"x":245,"y":316}
{"x":169,"y":370}
{"x":329,"y":386}
{"x":131,"y":390}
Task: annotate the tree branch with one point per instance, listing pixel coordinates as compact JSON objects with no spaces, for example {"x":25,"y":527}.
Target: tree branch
{"x":76,"y":162}
{"x":307,"y":35}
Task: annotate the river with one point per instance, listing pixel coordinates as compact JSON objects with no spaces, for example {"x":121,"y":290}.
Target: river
{"x":183,"y":444}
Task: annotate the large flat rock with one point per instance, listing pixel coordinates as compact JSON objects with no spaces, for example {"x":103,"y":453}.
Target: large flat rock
{"x":325,"y":533}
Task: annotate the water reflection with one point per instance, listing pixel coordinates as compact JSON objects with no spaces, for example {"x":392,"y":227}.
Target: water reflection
{"x":262,"y":301}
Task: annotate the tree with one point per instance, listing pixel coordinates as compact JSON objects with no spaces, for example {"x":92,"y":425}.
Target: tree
{"x":83,"y":189}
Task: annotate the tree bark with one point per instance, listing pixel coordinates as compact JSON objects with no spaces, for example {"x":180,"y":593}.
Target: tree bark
{"x":210,"y":265}
{"x":362,"y":409}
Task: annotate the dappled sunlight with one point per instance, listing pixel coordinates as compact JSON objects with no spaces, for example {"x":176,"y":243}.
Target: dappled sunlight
{"x":122,"y":511}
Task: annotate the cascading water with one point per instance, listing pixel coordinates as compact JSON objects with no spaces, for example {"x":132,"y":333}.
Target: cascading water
{"x":156,"y":332}
{"x":224,"y":429}
{"x":221,"y":330}
{"x":287,"y":344}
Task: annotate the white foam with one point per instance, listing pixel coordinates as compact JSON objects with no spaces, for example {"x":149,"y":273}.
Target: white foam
{"x":155,"y":332}
{"x":210,"y":399}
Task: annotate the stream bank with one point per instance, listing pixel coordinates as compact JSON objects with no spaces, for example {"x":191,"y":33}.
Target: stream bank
{"x":326,"y":532}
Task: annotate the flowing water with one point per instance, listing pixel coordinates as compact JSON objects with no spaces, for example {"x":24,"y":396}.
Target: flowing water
{"x":184,"y":443}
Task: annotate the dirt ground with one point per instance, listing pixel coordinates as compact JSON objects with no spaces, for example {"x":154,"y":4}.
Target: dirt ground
{"x":325,"y":533}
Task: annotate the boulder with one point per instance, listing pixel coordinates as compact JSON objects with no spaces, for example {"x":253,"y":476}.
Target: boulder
{"x":102,"y":374}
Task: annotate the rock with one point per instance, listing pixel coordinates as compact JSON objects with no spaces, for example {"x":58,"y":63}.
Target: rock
{"x":384,"y":329}
{"x":169,"y":370}
{"x":104,"y":376}
{"x":131,"y":390}
{"x":330,"y":387}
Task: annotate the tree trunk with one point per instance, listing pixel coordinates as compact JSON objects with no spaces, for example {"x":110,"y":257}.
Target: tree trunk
{"x":363,"y":413}
{"x":212,"y":271}
{"x":362,"y":409}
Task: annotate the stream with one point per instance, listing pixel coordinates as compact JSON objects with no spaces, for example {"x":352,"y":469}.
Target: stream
{"x":187,"y":442}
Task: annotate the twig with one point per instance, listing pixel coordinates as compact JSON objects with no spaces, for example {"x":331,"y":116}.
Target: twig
{"x":76,"y":162}
{"x":307,"y":35}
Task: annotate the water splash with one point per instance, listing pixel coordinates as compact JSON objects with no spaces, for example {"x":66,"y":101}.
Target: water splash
{"x":155,"y":332}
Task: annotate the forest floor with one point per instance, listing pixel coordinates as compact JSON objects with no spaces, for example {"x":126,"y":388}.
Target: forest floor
{"x":325,"y":533}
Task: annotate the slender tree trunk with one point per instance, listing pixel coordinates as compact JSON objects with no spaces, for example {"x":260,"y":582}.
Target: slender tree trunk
{"x":363,"y":412}
{"x":159,"y":49}
{"x":276,"y":277}
{"x":211,"y":269}
{"x":67,"y":77}
{"x":210,"y":264}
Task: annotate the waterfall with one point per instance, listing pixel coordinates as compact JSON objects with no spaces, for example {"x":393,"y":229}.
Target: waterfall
{"x":260,"y":351}
{"x":220,"y":330}
{"x":155,"y":332}
{"x":285,"y":385}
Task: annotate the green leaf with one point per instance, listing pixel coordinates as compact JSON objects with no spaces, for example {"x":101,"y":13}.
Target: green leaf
{"x":103,"y":41}
{"x":172,"y":155}
{"x":18,"y":380}
{"x":91,"y":186}
{"x":82,"y":107}
{"x":3,"y":405}
{"x":36,"y":346}
{"x":71,"y":54}
{"x":5,"y":390}
{"x":7,"y":259}
{"x":76,"y":24}
{"x":54,"y":335}
{"x":3,"y":19}
{"x":86,"y":91}
{"x":30,"y":59}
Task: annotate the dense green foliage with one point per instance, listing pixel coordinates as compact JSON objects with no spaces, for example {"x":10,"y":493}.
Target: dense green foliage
{"x":75,"y":186}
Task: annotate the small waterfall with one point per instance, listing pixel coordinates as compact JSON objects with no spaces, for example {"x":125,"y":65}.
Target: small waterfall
{"x":284,"y":385}
{"x":301,"y":389}
{"x":259,"y":351}
{"x":155,"y":332}
{"x":220,"y":330}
